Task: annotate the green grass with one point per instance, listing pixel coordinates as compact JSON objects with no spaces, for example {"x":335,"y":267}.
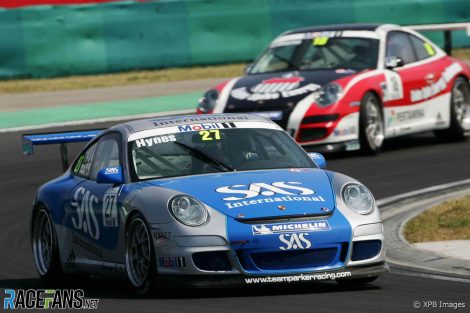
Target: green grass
{"x":447,"y":221}
{"x":119,"y":79}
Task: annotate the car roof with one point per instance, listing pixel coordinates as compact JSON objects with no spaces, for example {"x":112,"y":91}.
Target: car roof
{"x":335,"y":27}
{"x":179,"y":120}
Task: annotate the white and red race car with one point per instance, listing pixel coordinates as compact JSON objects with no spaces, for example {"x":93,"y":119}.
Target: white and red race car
{"x":347,"y":87}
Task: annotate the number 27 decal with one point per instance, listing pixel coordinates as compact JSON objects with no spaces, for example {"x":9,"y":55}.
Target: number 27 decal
{"x":213,"y":134}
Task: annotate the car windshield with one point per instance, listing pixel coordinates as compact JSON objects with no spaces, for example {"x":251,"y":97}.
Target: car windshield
{"x":214,"y":150}
{"x":321,"y":53}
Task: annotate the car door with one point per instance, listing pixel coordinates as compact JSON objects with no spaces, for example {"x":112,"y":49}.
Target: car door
{"x":92,"y":213}
{"x":401,"y":114}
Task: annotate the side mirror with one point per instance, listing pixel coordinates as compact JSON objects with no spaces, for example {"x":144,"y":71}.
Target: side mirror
{"x":110,"y":175}
{"x":319,"y":159}
{"x":393,"y":62}
{"x":248,"y":68}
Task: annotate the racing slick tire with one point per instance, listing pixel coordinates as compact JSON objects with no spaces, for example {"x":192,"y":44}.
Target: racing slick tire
{"x":140,"y":256}
{"x":459,"y":109}
{"x":44,"y":246}
{"x":356,"y":281}
{"x":371,"y":124}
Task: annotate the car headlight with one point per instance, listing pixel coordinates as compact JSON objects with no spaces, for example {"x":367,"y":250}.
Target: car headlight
{"x":208,"y":101}
{"x":358,"y":198}
{"x":328,"y":94}
{"x":188,"y":210}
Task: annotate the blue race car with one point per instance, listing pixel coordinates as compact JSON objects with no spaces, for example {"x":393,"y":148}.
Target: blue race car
{"x":202,"y":201}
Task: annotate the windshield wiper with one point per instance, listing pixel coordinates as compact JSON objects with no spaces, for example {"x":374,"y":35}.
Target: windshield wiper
{"x":205,"y":157}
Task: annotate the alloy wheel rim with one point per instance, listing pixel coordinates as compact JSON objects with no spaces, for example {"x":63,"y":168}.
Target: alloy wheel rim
{"x":374,"y":125}
{"x":461,"y":100}
{"x":138,"y":253}
{"x":42,"y":242}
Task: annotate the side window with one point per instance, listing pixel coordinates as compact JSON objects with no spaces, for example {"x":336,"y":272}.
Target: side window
{"x":423,"y":49}
{"x":82,"y":166}
{"x":107,"y":154}
{"x":399,"y":45}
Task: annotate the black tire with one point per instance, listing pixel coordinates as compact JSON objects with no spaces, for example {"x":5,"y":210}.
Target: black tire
{"x":459,"y":108}
{"x":43,"y":234}
{"x":371,"y":124}
{"x":357,"y":281}
{"x":143,"y":283}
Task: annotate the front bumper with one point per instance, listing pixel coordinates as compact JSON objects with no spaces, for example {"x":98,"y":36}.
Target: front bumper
{"x":350,"y":145}
{"x":231,"y":280}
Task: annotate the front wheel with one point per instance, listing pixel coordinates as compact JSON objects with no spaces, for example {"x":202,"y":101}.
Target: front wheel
{"x":140,"y":256}
{"x":45,"y":247}
{"x":459,"y":112}
{"x":371,"y":125}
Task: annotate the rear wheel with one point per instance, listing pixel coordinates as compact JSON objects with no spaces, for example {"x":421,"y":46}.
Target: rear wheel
{"x":357,"y":281}
{"x":44,"y":246}
{"x":140,"y":256}
{"x":371,"y":125}
{"x":459,"y":112}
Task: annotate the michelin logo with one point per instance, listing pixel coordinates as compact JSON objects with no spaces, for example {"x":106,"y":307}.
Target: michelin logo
{"x":269,"y":229}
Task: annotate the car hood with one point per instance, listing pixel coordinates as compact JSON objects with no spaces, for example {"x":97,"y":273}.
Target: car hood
{"x":271,"y":88}
{"x":258,"y":194}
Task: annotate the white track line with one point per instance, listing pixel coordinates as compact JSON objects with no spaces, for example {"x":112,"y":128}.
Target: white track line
{"x":420,"y":192}
{"x":94,"y":121}
{"x":431,"y":276}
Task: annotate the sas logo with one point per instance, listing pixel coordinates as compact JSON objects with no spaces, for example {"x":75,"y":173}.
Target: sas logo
{"x":269,"y":229}
{"x":255,"y":189}
{"x":83,"y":207}
{"x":294,"y":241}
{"x":277,"y":84}
{"x":111,"y":170}
{"x":207,"y":126}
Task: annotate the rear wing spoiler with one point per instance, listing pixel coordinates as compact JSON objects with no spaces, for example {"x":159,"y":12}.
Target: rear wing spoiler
{"x":447,"y":28}
{"x":31,"y":140}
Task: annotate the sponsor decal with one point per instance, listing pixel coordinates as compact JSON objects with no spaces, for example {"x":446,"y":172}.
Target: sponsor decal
{"x":171,"y":262}
{"x":208,"y":126}
{"x":255,"y":189}
{"x":55,"y":299}
{"x":291,"y":190}
{"x":148,"y":142}
{"x":111,"y":170}
{"x":86,"y":245}
{"x":294,"y":241}
{"x":272,"y":115}
{"x":392,"y":87}
{"x":274,"y":88}
{"x":298,"y":278}
{"x":405,"y":116}
{"x":351,"y":130}
{"x":438,"y":86}
{"x":83,"y":210}
{"x":439,"y":120}
{"x":203,"y":119}
{"x":161,"y":235}
{"x":110,"y":210}
{"x":277,"y":84}
{"x":269,"y":229}
{"x":353,"y":145}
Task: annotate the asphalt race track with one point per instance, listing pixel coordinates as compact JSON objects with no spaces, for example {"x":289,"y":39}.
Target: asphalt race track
{"x":407,"y":164}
